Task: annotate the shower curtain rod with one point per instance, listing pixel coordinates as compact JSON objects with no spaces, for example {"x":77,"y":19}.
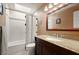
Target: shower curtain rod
{"x":16,"y":19}
{"x":19,"y":11}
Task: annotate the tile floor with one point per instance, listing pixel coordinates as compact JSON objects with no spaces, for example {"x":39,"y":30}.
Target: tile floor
{"x":18,"y":50}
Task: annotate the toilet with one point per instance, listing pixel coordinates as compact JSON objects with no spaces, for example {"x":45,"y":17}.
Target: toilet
{"x":30,"y":49}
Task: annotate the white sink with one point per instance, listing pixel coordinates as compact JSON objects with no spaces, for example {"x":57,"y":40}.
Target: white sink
{"x":52,"y":38}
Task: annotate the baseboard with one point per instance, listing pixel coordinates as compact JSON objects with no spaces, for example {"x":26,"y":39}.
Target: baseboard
{"x":16,"y":43}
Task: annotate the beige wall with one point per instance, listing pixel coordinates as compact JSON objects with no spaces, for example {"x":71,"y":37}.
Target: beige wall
{"x":67,"y":15}
{"x":2,"y":20}
{"x":3,"y":17}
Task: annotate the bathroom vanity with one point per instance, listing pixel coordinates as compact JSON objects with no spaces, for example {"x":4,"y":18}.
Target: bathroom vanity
{"x":47,"y":46}
{"x":0,"y":39}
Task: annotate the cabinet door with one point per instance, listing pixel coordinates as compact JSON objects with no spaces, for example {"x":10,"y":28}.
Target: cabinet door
{"x":52,"y":49}
{"x":63,"y":51}
{"x":0,"y":39}
{"x":38,"y":47}
{"x":46,"y":50}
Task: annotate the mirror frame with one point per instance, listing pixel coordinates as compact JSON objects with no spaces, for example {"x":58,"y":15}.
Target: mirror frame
{"x":58,"y":29}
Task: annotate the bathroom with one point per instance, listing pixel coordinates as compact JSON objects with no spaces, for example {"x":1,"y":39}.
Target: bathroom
{"x":39,"y":28}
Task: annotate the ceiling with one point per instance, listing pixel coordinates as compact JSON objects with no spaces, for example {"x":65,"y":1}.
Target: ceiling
{"x":34,"y":6}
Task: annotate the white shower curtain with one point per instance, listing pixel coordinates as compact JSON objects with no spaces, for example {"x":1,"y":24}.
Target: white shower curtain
{"x":29,"y":29}
{"x":30,"y":42}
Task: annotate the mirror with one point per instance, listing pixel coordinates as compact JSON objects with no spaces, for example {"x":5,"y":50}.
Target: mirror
{"x":66,"y":19}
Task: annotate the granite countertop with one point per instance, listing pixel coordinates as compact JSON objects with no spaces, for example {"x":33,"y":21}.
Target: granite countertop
{"x":69,"y":44}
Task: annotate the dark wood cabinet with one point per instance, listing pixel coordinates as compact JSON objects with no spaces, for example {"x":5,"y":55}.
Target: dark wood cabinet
{"x":0,"y":39}
{"x":45,"y":48}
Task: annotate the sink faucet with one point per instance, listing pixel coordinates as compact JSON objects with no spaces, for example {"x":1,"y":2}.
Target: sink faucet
{"x":58,"y":35}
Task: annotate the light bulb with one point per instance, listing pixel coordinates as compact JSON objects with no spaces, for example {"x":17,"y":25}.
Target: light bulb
{"x":50,"y":5}
{"x":45,"y":9}
{"x":55,"y":3}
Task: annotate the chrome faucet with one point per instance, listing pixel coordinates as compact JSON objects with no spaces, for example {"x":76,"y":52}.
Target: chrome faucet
{"x":58,"y":35}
